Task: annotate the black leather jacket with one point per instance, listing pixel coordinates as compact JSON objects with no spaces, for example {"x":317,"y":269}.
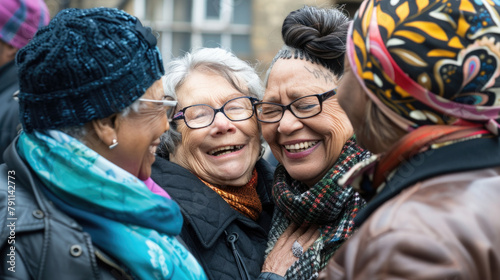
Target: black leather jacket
{"x":38,"y":241}
{"x":227,"y":244}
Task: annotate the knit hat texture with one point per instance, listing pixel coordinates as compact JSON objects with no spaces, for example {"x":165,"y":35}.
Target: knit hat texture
{"x":20,"y":19}
{"x":86,"y":64}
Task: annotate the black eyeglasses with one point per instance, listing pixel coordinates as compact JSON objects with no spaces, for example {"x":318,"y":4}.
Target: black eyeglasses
{"x":302,"y":108}
{"x":202,"y":115}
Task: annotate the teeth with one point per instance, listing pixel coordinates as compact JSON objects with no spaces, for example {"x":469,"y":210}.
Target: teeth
{"x":225,"y":150}
{"x":300,"y":147}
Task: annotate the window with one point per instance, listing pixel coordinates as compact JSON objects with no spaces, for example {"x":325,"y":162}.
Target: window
{"x":186,"y":24}
{"x":182,"y":10}
{"x":241,"y":14}
{"x":212,"y":9}
{"x":154,"y":9}
{"x":241,"y":45}
{"x":181,"y":43}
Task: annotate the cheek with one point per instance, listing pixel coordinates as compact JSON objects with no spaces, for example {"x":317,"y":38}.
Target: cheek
{"x":251,"y":129}
{"x":352,"y":99}
{"x":269,"y":133}
{"x":189,"y":143}
{"x":339,"y":125}
{"x":153,"y":124}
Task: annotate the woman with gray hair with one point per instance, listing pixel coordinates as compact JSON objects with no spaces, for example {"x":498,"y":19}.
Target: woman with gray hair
{"x":211,"y":163}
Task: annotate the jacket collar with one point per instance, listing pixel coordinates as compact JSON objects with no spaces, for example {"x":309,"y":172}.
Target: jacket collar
{"x":202,"y":208}
{"x":29,"y":182}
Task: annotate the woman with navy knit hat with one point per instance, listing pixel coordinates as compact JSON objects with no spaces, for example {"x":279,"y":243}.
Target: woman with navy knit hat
{"x":92,"y":107}
{"x":422,"y":90}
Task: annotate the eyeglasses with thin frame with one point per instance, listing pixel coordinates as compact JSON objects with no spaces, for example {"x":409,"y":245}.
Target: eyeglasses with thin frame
{"x":164,"y":102}
{"x":203,"y":115}
{"x":302,"y":108}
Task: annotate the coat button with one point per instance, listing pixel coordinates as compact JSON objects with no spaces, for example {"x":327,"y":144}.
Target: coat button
{"x":76,"y":250}
{"x":38,"y":214}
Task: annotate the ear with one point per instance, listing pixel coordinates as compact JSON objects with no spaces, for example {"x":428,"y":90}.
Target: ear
{"x":104,"y":131}
{"x":7,"y":53}
{"x":10,"y":52}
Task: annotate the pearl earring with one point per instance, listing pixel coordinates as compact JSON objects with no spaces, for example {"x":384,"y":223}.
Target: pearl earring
{"x":115,"y":143}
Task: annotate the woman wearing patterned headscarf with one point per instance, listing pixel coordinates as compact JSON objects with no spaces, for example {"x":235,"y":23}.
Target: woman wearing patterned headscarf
{"x":426,"y":74}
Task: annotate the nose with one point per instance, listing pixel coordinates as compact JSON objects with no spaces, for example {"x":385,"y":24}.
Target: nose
{"x":289,"y":123}
{"x":222,"y":124}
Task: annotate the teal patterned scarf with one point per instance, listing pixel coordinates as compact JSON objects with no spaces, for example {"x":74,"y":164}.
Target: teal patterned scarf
{"x":326,"y":204}
{"x":123,"y":217}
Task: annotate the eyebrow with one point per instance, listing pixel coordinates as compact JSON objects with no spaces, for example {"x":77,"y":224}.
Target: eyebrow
{"x":292,"y":96}
{"x":223,"y":100}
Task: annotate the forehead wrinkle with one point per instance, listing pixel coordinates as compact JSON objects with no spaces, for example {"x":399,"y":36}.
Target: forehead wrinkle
{"x":215,"y":101}
{"x":293,"y":92}
{"x":289,"y":80}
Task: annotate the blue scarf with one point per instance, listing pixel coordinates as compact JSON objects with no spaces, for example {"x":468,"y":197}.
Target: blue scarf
{"x":123,"y":217}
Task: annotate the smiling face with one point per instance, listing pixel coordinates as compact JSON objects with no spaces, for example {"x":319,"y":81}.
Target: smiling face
{"x":138,"y":135}
{"x":225,"y":152}
{"x":307,"y":148}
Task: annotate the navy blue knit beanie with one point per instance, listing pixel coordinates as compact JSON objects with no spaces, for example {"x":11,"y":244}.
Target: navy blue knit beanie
{"x":86,"y":64}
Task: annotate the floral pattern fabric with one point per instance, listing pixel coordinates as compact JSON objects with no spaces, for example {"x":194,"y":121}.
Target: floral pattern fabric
{"x":429,"y":62}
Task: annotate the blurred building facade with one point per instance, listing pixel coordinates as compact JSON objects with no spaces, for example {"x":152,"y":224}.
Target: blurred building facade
{"x":249,"y":28}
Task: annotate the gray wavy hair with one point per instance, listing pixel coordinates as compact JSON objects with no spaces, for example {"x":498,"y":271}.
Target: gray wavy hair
{"x":215,"y":60}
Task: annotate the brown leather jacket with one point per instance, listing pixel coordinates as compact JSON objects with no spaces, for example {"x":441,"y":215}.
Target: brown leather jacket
{"x":446,"y":227}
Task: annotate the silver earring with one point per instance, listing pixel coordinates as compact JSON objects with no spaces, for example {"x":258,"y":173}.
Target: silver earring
{"x":115,"y":143}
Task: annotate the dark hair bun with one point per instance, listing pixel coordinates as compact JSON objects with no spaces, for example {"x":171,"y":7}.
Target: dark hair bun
{"x":321,"y":33}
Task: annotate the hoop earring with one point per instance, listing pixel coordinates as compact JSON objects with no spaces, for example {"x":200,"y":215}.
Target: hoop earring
{"x":115,"y":143}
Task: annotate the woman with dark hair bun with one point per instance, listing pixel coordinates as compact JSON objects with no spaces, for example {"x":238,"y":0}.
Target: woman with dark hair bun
{"x":312,"y":138}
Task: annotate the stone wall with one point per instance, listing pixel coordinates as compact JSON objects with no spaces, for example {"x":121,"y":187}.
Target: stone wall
{"x":266,"y":34}
{"x":268,"y":16}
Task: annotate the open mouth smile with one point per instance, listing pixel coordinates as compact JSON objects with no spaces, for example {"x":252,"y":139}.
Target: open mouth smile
{"x":300,"y":147}
{"x":225,"y":150}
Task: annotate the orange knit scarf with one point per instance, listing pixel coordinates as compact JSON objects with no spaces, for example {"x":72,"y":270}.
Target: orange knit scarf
{"x":243,"y":199}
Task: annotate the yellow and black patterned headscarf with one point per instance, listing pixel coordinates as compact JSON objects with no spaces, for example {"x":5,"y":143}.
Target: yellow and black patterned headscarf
{"x":429,"y":62}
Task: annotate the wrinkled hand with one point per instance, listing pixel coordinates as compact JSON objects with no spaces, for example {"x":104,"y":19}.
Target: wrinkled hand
{"x":281,"y":257}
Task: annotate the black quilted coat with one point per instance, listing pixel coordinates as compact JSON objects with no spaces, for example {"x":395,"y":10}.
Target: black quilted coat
{"x":227,"y":244}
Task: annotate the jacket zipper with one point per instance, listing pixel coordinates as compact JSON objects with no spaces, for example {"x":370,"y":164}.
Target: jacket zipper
{"x":231,"y":243}
{"x":104,"y":259}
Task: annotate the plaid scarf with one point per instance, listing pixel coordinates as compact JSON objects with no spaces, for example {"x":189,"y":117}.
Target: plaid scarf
{"x":326,"y":204}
